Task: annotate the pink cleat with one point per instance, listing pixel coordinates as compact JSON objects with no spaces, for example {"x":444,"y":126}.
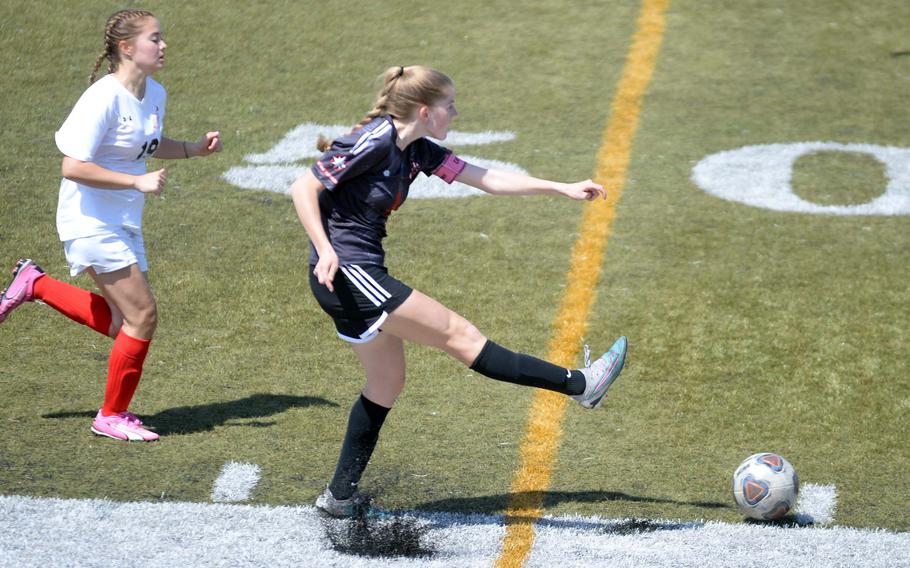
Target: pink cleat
{"x":123,"y":426}
{"x":22,"y":288}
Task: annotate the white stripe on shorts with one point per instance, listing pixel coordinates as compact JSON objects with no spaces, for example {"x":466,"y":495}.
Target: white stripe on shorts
{"x":368,"y":335}
{"x":366,"y":284}
{"x":372,"y":281}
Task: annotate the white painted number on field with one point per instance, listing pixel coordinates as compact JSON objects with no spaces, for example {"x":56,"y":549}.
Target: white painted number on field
{"x":276,"y":169}
{"x":760,"y":176}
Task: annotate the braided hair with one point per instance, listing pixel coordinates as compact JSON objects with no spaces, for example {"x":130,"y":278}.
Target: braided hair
{"x":122,"y":25}
{"x":404,"y":89}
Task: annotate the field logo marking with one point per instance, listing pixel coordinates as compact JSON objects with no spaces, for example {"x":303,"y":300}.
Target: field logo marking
{"x":235,"y":482}
{"x":543,"y":434}
{"x":276,"y":169}
{"x":761,"y":176}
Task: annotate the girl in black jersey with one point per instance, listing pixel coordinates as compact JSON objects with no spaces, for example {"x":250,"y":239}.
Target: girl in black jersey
{"x":343,"y":202}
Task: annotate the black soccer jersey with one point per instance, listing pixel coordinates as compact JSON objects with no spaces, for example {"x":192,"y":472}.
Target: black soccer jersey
{"x":367,"y":177}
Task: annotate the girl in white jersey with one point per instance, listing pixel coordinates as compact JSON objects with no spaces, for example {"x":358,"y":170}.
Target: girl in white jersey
{"x":343,"y":202}
{"x":114,"y":127}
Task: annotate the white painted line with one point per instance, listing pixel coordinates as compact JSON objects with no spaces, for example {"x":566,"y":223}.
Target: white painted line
{"x":714,"y":544}
{"x":235,"y":482}
{"x":52,"y":532}
{"x":816,"y":504}
{"x":278,"y":178}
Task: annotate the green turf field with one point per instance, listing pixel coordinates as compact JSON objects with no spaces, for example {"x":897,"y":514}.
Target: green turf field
{"x":750,"y":329}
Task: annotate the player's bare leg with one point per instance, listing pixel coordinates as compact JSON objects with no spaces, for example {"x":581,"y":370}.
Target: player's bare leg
{"x":128,"y":293}
{"x":423,"y":320}
{"x":132,"y":304}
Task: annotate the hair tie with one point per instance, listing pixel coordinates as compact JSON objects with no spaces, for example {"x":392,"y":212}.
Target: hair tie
{"x":400,"y":71}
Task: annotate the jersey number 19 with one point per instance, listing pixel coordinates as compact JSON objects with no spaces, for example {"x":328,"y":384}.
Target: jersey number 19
{"x":148,"y":148}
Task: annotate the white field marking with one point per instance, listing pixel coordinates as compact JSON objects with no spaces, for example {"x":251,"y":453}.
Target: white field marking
{"x":816,"y":504}
{"x":276,"y":169}
{"x":761,"y":176}
{"x":278,"y":178}
{"x":235,"y":482}
{"x":90,"y":532}
{"x":715,"y":544}
{"x":300,"y":142}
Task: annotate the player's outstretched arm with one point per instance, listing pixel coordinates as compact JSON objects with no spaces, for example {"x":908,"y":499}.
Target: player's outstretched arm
{"x":503,"y":182}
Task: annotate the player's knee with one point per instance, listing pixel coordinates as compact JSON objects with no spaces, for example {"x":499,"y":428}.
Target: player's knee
{"x":464,"y":337}
{"x":116,"y":325}
{"x":459,"y":329}
{"x":384,"y":391}
{"x":145,"y":318}
{"x":151,"y":317}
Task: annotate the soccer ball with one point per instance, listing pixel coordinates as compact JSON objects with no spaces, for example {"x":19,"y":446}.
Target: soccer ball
{"x":765,"y":486}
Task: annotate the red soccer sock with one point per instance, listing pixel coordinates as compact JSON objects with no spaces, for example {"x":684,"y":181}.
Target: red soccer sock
{"x":75,"y":303}
{"x":124,"y":371}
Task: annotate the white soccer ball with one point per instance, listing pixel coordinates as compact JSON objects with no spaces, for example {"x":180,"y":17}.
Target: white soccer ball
{"x":765,"y":486}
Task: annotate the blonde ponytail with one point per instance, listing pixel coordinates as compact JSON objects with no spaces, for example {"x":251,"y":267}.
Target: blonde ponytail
{"x":404,"y":89}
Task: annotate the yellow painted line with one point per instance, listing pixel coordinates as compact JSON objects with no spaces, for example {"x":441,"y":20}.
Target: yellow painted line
{"x":544,"y":431}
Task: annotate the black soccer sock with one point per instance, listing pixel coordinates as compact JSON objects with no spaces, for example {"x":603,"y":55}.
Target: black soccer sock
{"x":359,"y":442}
{"x":501,"y":364}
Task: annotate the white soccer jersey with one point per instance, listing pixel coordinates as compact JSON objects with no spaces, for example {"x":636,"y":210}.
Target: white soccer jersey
{"x":113,"y":129}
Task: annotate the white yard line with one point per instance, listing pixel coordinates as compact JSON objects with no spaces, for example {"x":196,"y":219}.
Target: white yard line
{"x":91,"y":532}
{"x":714,"y":544}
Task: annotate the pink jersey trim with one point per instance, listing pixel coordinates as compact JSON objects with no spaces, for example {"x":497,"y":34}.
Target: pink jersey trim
{"x":326,"y":172}
{"x":450,"y":168}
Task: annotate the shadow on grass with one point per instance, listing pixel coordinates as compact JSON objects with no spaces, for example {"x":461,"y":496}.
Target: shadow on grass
{"x":492,"y":507}
{"x":496,"y":504}
{"x":788,"y":521}
{"x":379,"y":533}
{"x":205,"y":417}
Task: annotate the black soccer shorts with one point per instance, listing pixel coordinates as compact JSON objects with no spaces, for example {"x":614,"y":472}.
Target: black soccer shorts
{"x":364,"y":297}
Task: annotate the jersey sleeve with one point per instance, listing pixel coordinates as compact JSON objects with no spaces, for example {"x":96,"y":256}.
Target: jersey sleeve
{"x":352,"y":155}
{"x":441,"y":162}
{"x":85,"y":127}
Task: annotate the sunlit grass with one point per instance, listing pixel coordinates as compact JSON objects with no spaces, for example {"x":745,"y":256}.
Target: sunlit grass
{"x":750,"y":330}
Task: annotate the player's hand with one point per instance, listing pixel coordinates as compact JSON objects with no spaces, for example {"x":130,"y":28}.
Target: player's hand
{"x":326,"y":267}
{"x":208,"y":144}
{"x":585,"y":190}
{"x":152,"y":182}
